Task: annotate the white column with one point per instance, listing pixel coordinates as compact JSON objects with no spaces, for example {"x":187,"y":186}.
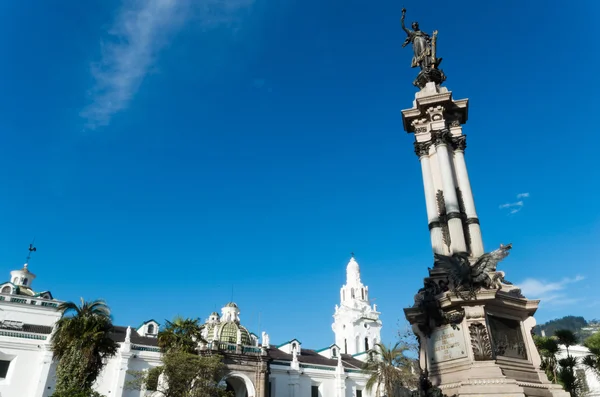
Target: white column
{"x":455,"y":228}
{"x":435,"y":229}
{"x":44,"y":369}
{"x":121,"y":370}
{"x":467,"y":195}
{"x":340,"y":378}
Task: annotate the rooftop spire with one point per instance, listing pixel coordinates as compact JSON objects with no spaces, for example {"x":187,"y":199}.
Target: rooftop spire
{"x":352,"y":272}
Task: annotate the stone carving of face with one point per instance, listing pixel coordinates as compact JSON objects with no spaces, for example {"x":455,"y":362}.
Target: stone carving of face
{"x":415,"y":25}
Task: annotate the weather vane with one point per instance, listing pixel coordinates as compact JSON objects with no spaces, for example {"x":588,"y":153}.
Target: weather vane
{"x":30,"y":250}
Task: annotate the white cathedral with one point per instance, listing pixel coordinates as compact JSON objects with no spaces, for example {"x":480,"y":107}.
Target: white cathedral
{"x":254,"y":368}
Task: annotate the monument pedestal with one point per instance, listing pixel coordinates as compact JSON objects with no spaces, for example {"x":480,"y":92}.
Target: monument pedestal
{"x":482,"y":346}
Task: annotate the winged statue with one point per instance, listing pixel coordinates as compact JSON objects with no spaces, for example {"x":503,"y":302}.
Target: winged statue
{"x":467,"y":278}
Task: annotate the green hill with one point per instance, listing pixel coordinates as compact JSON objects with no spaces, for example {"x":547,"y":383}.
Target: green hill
{"x":577,"y":324}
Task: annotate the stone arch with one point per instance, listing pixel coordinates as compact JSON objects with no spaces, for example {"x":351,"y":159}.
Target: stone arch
{"x":241,"y":384}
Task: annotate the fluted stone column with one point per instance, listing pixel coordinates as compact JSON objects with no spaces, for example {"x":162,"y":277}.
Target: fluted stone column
{"x":476,"y":244}
{"x":457,"y":235}
{"x":433,"y":218}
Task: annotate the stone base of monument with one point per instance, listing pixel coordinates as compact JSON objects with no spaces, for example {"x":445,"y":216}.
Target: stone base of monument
{"x":429,"y":75}
{"x":478,"y":342}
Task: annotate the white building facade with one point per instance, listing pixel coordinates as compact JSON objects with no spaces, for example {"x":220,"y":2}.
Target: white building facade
{"x":589,"y":376}
{"x":255,"y":367}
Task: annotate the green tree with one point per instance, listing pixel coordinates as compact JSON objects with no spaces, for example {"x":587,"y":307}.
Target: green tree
{"x":566,"y":337}
{"x":81,"y":343}
{"x":592,"y":360}
{"x":566,"y":373}
{"x":548,"y":349}
{"x":181,"y":334}
{"x":184,"y":372}
{"x":390,"y":369}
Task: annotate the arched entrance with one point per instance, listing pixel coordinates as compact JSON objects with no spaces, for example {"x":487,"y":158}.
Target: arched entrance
{"x":240,"y":384}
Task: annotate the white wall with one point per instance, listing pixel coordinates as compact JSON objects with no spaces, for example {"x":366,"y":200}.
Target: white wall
{"x":23,"y":373}
{"x":592,"y":379}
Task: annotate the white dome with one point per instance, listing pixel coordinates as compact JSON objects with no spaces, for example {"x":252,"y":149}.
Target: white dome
{"x":352,"y":266}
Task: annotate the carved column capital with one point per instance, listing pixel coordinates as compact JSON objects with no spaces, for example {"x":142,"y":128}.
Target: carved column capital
{"x":459,"y":142}
{"x":441,"y":137}
{"x":422,"y":148}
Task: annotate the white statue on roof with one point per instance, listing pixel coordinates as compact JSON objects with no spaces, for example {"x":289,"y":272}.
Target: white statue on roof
{"x":128,"y":335}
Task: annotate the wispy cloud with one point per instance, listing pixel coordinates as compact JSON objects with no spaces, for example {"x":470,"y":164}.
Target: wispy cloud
{"x":516,"y":206}
{"x":140,"y":30}
{"x":549,"y":291}
{"x":131,"y":46}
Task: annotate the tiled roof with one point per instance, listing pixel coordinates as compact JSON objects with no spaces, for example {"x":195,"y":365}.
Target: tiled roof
{"x":312,"y":357}
{"x":32,"y":328}
{"x":118,"y":335}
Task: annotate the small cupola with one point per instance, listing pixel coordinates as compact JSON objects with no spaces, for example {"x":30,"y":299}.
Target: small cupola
{"x":22,"y":277}
{"x":213,"y":318}
{"x":149,"y":328}
{"x":230,"y":312}
{"x":291,"y":346}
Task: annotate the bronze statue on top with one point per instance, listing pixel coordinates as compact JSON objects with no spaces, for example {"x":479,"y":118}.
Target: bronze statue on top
{"x":424,"y":49}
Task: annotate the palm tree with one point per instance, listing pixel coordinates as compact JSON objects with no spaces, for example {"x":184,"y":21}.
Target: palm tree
{"x":390,"y":367}
{"x":548,"y":349}
{"x":566,"y":337}
{"x":180,"y":334}
{"x":81,"y":343}
{"x":566,"y":373}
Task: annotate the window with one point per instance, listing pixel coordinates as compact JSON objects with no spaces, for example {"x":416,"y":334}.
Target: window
{"x":334,"y":352}
{"x":314,"y":391}
{"x":343,"y":295}
{"x":15,"y":280}
{"x":151,"y":328}
{"x":352,"y":293}
{"x":366,"y":344}
{"x":362,"y":292}
{"x":4,"y":364}
{"x":345,"y":346}
{"x":6,"y":290}
{"x":359,"y":393}
{"x":25,"y":280}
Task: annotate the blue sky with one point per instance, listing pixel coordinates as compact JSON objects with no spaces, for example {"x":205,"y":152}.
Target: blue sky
{"x":166,"y":153}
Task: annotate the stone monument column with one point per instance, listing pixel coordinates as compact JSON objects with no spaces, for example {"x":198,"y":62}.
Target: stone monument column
{"x":435,"y":227}
{"x":459,"y":143}
{"x":449,"y":197}
{"x":473,"y":326}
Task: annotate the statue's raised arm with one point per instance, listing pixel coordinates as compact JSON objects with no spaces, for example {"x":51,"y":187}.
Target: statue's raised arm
{"x":402,"y":22}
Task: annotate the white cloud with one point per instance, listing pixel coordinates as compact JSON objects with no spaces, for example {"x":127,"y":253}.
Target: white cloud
{"x":549,"y":291}
{"x":515,"y":206}
{"x":140,"y":30}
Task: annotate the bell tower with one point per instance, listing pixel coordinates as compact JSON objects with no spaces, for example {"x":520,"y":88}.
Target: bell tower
{"x":356,"y":323}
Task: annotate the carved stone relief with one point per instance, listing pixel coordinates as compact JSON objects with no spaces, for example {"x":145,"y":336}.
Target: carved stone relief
{"x":480,"y":342}
{"x":441,"y":204}
{"x":459,"y":142}
{"x":422,"y":148}
{"x":463,"y":213}
{"x":441,"y":137}
{"x":507,"y":337}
